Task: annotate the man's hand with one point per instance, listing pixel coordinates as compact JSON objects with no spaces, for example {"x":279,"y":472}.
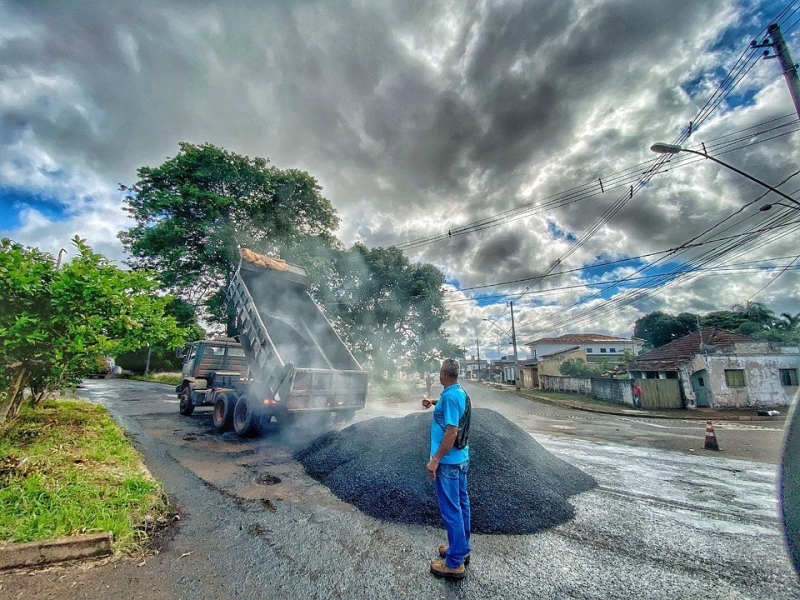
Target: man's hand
{"x":427,"y":402}
{"x":433,"y":464}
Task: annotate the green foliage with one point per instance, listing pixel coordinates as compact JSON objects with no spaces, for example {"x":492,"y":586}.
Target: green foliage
{"x":67,"y":468}
{"x":753,"y":319}
{"x":162,"y":356}
{"x":659,"y":328}
{"x":56,"y":323}
{"x":577,"y":367}
{"x":193,"y":211}
{"x":388,"y":309}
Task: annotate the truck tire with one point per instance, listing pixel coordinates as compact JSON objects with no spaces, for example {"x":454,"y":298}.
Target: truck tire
{"x":224,"y":406}
{"x":245,"y":419}
{"x":186,"y":406}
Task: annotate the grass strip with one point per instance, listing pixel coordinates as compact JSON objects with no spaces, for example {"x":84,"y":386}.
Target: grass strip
{"x":66,"y":468}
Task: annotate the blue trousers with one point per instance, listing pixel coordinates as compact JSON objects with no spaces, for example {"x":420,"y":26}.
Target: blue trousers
{"x":451,"y":491}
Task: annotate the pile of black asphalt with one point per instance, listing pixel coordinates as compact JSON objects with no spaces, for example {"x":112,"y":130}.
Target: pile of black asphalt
{"x":378,"y":465}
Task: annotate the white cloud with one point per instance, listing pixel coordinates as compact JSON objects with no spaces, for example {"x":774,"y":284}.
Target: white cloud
{"x":416,"y":118}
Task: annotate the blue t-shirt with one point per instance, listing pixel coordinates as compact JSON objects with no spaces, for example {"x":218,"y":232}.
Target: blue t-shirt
{"x":448,"y":411}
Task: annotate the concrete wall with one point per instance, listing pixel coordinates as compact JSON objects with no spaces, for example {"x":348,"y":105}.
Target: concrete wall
{"x":762,"y":380}
{"x":616,"y":391}
{"x":571,"y":385}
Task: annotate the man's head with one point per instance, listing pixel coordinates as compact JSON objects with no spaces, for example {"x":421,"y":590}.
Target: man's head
{"x":448,"y":374}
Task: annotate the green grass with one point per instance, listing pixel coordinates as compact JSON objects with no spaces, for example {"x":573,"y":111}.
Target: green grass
{"x":67,"y":468}
{"x":170,"y":378}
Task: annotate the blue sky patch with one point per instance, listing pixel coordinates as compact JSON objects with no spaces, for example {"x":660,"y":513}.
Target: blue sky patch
{"x":13,"y":201}
{"x":559,"y":233}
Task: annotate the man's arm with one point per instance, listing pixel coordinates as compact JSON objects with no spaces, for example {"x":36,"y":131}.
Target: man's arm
{"x":450,"y":435}
{"x":428,"y":402}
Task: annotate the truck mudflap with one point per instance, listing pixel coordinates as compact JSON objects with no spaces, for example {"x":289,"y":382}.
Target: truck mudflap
{"x":314,"y":390}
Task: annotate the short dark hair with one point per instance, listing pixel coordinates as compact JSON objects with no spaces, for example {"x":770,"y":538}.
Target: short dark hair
{"x":450,"y":367}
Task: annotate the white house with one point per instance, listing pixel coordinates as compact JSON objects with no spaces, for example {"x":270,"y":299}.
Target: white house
{"x":595,"y":345}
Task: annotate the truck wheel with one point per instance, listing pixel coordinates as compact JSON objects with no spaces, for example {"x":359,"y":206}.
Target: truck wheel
{"x":245,"y":419}
{"x":186,"y":405}
{"x":224,"y":406}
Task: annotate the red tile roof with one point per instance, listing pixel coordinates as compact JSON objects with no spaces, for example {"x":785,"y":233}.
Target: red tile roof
{"x":670,"y":356}
{"x":578,"y":338}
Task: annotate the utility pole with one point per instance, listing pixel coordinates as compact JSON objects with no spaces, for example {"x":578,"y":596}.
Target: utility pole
{"x":784,"y":56}
{"x":478,"y":344}
{"x":514,"y":341}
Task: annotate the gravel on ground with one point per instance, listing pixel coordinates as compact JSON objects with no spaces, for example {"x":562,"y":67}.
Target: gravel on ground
{"x":378,"y":465}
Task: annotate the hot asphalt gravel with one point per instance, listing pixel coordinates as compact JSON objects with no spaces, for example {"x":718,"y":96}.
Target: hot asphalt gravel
{"x":515,"y":485}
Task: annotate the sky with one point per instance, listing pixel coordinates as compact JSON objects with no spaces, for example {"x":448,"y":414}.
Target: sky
{"x":506,"y":142}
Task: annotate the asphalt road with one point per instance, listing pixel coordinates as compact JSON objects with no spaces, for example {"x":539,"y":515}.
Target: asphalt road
{"x":662,"y":524}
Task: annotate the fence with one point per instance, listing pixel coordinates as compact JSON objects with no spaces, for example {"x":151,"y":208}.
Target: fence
{"x":656,"y":393}
{"x":569,"y":385}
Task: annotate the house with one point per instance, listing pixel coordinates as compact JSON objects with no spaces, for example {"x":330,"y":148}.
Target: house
{"x":594,"y":345}
{"x":470,"y":367}
{"x":721,"y":369}
{"x":504,"y":367}
{"x":550,"y":364}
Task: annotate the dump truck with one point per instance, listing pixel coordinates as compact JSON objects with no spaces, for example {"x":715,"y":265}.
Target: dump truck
{"x":287,"y":360}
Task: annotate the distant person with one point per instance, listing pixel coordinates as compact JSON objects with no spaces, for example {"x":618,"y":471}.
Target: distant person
{"x":637,"y":396}
{"x":448,"y":467}
{"x":428,"y":384}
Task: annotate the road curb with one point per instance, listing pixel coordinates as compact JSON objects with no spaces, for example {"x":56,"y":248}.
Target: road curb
{"x":685,"y":414}
{"x":35,"y":554}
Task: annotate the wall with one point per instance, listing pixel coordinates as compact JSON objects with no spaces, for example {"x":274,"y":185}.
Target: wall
{"x":616,"y":391}
{"x":763,"y":385}
{"x":552,"y":365}
{"x":570,"y":385}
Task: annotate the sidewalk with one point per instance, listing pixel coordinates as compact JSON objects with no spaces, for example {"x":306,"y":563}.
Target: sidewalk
{"x":591,"y":405}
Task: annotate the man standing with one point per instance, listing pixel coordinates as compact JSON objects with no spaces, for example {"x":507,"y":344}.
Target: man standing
{"x":637,"y":396}
{"x":448,"y":467}
{"x":428,"y":384}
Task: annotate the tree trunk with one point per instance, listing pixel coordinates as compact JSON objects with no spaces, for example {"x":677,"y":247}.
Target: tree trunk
{"x":9,"y":407}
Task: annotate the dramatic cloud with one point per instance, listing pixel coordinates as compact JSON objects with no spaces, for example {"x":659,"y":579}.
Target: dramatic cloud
{"x":419,"y":118}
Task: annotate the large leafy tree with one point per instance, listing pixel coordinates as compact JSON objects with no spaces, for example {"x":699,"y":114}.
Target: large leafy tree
{"x":193,"y":211}
{"x":751,"y":318}
{"x":659,"y":328}
{"x":388,"y":309}
{"x":56,"y":323}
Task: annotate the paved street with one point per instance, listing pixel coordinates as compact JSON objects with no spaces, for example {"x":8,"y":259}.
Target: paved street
{"x":662,"y":524}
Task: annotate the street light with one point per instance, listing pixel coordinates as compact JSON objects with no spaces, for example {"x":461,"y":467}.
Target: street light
{"x":766,"y":207}
{"x":661,"y":148}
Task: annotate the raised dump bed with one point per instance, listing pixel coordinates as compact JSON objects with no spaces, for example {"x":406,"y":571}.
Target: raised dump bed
{"x":297,"y":362}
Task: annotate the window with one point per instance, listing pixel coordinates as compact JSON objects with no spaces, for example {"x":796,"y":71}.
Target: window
{"x":788,"y":377}
{"x":612,"y":350}
{"x":602,"y":350}
{"x":701,"y":382}
{"x":589,"y":350}
{"x":734,"y":378}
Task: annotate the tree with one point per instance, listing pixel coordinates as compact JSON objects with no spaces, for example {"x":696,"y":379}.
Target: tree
{"x":56,"y":323}
{"x":388,"y":309}
{"x":161,"y":357}
{"x":723,"y":319}
{"x":756,"y":312}
{"x":193,"y":211}
{"x":659,"y":328}
{"x":577,"y":367}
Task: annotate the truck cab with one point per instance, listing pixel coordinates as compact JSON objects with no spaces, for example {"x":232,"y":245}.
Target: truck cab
{"x":210,"y":366}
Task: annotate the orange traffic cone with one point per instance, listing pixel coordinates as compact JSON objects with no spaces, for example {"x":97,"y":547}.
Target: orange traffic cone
{"x":711,"y":437}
